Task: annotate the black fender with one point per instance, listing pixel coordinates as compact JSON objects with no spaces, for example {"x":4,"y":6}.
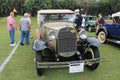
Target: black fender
{"x":39,"y":45}
{"x":102,"y":29}
{"x":92,"y":41}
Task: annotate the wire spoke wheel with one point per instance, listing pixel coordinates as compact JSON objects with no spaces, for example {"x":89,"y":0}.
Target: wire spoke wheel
{"x":92,"y":53}
{"x":102,"y":36}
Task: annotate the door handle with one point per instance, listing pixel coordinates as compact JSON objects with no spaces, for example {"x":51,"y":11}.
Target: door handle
{"x":117,"y":26}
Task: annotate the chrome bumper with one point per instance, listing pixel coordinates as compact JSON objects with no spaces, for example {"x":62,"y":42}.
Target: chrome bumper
{"x":66,"y":64}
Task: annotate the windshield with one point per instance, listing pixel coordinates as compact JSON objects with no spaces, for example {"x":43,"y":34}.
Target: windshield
{"x":90,"y":18}
{"x":108,"y":18}
{"x":57,"y":17}
{"x":117,"y":19}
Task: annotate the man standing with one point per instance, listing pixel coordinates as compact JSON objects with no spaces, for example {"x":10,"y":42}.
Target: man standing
{"x":83,"y":24}
{"x":25,"y":24}
{"x":29,"y":15}
{"x":11,"y":28}
{"x":30,"y":23}
{"x":78,"y":20}
{"x":100,"y":22}
{"x":100,"y":19}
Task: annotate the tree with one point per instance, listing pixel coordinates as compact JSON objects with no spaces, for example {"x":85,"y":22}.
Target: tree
{"x":62,"y":4}
{"x":108,"y":6}
{"x":6,"y":6}
{"x":3,"y":8}
{"x":34,"y":5}
{"x":114,"y":5}
{"x":19,"y":5}
{"x":86,"y":6}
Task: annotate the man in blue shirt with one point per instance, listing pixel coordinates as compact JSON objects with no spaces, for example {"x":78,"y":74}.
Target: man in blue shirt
{"x":78,"y":20}
{"x":101,"y":19}
{"x":100,"y":22}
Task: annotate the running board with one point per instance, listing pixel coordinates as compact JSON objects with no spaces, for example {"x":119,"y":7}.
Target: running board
{"x":114,"y":41}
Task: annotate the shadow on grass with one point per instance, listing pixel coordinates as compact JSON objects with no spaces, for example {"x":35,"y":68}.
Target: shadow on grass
{"x":113,"y":44}
{"x":64,"y":71}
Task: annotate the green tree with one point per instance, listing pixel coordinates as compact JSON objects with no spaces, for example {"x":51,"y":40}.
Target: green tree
{"x":34,"y":5}
{"x":6,"y":6}
{"x":3,"y":8}
{"x":86,"y":6}
{"x":109,"y":6}
{"x":19,"y":5}
{"x":62,"y":4}
{"x":113,"y":5}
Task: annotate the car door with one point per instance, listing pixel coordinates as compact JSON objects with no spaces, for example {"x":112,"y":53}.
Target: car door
{"x":114,"y":30}
{"x":118,"y":30}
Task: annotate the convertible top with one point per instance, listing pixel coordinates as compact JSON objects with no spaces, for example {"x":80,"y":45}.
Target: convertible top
{"x":54,"y":11}
{"x":116,"y":14}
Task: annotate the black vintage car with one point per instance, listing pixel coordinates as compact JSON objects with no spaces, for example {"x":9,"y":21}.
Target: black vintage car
{"x":58,"y":44}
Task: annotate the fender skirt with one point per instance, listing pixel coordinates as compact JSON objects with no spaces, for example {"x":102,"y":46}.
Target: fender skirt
{"x":39,"y":45}
{"x":93,"y":41}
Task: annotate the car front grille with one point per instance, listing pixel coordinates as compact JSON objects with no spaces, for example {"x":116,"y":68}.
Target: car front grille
{"x":67,"y":40}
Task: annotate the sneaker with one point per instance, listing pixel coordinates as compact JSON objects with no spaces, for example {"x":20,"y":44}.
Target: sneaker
{"x":22,"y":44}
{"x":13,"y":44}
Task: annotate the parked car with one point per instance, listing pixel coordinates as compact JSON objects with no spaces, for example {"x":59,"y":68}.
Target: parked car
{"x":58,"y":44}
{"x":108,"y":19}
{"x":110,"y":31}
{"x":91,"y":23}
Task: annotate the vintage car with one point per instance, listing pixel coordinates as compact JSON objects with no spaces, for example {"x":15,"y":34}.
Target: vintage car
{"x":110,"y":31}
{"x":90,"y":23}
{"x":58,"y":44}
{"x":108,"y":20}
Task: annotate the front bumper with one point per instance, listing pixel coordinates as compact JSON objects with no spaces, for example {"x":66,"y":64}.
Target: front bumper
{"x":67,"y":63}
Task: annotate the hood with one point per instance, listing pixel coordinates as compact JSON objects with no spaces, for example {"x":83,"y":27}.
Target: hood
{"x":91,"y":21}
{"x":58,"y":25}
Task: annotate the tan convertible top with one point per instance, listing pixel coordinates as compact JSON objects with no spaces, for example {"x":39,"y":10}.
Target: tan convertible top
{"x":53,"y":11}
{"x":116,"y":14}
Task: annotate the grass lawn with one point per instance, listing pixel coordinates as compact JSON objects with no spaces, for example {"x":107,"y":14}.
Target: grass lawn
{"x":22,"y":66}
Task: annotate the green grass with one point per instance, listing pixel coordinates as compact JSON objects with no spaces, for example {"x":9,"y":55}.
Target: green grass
{"x":22,"y":66}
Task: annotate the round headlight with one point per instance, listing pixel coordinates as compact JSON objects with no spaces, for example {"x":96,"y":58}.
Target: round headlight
{"x":52,"y":35}
{"x":83,"y":34}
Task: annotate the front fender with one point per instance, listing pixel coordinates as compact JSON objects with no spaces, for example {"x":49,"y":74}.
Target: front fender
{"x":93,"y":41}
{"x":39,"y":45}
{"x":102,"y":29}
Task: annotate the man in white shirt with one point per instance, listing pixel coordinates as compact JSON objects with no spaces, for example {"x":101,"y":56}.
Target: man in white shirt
{"x":83,"y":23}
{"x":25,"y":25}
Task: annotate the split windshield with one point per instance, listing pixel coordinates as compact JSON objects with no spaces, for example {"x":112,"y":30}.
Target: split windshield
{"x":56,"y":17}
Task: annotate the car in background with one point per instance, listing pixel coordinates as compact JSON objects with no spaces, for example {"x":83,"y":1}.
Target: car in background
{"x":108,"y":19}
{"x":110,"y":31}
{"x":90,"y":23}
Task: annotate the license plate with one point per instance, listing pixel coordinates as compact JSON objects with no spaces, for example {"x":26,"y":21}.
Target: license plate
{"x":75,"y":67}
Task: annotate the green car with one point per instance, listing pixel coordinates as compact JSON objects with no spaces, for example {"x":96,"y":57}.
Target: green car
{"x":91,"y":23}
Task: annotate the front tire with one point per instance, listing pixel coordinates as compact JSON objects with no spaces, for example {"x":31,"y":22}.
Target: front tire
{"x":38,"y":57}
{"x":102,"y":36}
{"x":92,"y":53}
